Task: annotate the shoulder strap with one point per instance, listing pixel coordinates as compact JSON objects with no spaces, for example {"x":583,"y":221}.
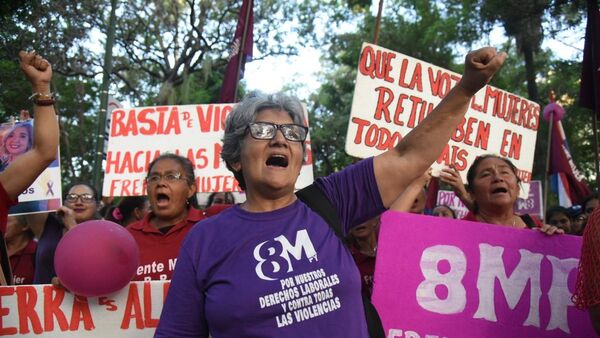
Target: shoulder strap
{"x":320,"y":204}
{"x":529,"y":221}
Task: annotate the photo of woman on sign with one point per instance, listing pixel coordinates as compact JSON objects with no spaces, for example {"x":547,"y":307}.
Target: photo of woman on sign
{"x":15,"y":142}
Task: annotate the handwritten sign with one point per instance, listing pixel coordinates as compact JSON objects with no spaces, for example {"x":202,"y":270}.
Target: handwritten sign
{"x":44,"y":311}
{"x":395,"y":92}
{"x":138,"y":135}
{"x":438,"y":277}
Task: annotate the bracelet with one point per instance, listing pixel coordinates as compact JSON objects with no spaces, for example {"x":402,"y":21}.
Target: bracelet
{"x":40,"y":99}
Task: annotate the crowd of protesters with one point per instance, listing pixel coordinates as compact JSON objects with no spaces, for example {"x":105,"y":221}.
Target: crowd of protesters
{"x":264,"y":148}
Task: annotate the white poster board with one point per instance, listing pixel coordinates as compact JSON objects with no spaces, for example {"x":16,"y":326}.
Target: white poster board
{"x":394,"y":92}
{"x":138,"y":135}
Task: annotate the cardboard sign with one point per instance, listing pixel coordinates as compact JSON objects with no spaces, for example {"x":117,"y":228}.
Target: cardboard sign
{"x":44,"y":311}
{"x":531,"y":205}
{"x":45,"y":193}
{"x":438,"y":277}
{"x":138,"y":135}
{"x":394,"y":92}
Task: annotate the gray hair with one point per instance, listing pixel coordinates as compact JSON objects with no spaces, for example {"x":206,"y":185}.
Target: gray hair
{"x":245,"y":113}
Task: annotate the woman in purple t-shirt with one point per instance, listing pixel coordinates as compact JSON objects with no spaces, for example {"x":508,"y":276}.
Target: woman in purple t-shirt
{"x":272,"y":267}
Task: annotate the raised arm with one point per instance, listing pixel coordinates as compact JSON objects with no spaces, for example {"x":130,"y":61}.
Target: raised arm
{"x":407,"y":198}
{"x":396,"y":168}
{"x":26,"y":168}
{"x":452,"y":177}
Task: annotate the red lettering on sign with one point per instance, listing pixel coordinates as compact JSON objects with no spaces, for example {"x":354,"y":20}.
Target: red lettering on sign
{"x":376,"y":64}
{"x":110,"y":303}
{"x":416,"y":80}
{"x":165,"y":290}
{"x":473,"y":132}
{"x":26,"y":300}
{"x":217,"y":155}
{"x":81,"y":313}
{"x":133,"y":309}
{"x":454,"y":156}
{"x":384,"y":98}
{"x":4,"y":311}
{"x":217,"y":183}
{"x":514,"y":145}
{"x":53,"y":298}
{"x":441,"y":82}
{"x":308,"y":153}
{"x":127,"y":162}
{"x":149,"y":121}
{"x":420,"y":109}
{"x":148,"y":320}
{"x":213,"y":119}
{"x":374,"y":136}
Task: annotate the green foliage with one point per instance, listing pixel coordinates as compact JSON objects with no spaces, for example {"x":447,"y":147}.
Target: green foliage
{"x":175,"y":52}
{"x":414,"y":28}
{"x":166,"y":52}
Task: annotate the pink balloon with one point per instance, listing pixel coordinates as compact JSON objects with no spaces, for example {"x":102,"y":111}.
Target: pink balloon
{"x":96,"y":258}
{"x":554,"y":109}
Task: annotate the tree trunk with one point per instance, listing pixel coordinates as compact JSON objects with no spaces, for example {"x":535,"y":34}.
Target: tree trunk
{"x":532,"y":88}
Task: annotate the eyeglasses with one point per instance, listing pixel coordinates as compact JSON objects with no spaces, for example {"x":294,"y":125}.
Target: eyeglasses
{"x":85,"y":198}
{"x":267,"y":131}
{"x":169,"y":177}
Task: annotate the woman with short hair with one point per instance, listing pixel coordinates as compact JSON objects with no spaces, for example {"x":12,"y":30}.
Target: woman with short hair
{"x":273,"y":267}
{"x":171,"y":186}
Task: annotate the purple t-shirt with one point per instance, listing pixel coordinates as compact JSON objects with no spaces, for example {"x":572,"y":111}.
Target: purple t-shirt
{"x":274,"y":274}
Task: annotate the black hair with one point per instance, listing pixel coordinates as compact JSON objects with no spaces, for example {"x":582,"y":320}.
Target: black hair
{"x":588,"y":198}
{"x":557,"y":210}
{"x":72,"y":184}
{"x":125,"y":208}
{"x":228,"y":197}
{"x":473,"y":168}
{"x":447,"y":207}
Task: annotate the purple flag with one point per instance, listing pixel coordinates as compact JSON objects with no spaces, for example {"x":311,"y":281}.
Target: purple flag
{"x":243,"y":35}
{"x":567,"y":181}
{"x":589,"y":94}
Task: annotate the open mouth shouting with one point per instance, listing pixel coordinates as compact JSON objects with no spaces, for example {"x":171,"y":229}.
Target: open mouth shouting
{"x":277,"y":161}
{"x":162,"y":200}
{"x":499,"y":190}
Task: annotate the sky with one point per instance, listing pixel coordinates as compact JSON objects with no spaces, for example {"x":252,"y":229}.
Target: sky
{"x":273,"y":73}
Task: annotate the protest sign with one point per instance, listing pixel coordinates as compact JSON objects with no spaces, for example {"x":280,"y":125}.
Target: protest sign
{"x":394,"y":92}
{"x":45,"y":193}
{"x":439,"y":277}
{"x":44,"y":311}
{"x":138,"y":135}
{"x":531,"y":205}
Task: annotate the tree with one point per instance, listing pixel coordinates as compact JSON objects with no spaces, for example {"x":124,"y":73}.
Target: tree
{"x":420,"y":29}
{"x":167,"y":52}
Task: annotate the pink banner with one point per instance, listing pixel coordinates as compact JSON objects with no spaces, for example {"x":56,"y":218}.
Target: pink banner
{"x":437,"y":277}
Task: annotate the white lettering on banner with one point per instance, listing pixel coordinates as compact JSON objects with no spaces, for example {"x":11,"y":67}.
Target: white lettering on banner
{"x":426,"y":296}
{"x":277,"y":253}
{"x":560,"y":297}
{"x":153,"y":267}
{"x":172,"y":262}
{"x":492,"y":268}
{"x":398,"y":333}
{"x":303,"y":297}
